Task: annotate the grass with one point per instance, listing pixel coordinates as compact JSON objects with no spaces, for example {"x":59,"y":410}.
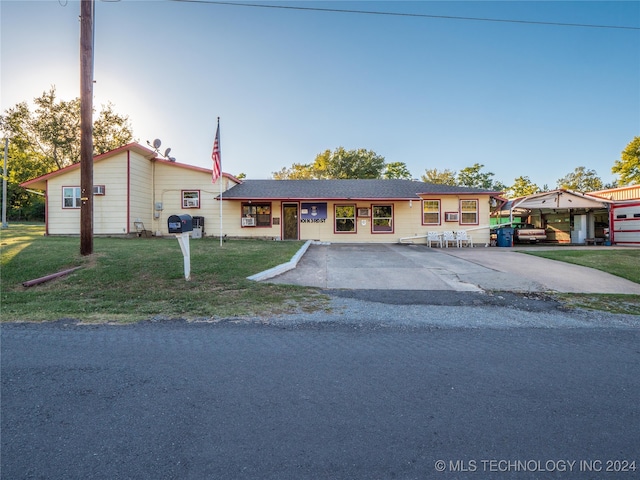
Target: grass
{"x":623,"y":263}
{"x":131,"y":279}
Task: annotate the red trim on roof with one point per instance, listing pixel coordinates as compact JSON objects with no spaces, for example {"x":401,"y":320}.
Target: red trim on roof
{"x":194,"y":168}
{"x":321,"y":199}
{"x":495,"y":194}
{"x":136,"y":147}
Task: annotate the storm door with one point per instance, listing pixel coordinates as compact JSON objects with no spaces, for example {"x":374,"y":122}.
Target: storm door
{"x":290,"y":221}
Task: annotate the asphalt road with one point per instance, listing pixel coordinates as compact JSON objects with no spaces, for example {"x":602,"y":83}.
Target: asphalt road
{"x":334,"y":399}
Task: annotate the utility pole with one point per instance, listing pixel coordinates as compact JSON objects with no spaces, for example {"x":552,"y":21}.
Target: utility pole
{"x":86,"y":127}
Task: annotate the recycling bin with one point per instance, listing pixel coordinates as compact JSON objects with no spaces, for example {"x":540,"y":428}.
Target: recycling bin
{"x":505,"y":237}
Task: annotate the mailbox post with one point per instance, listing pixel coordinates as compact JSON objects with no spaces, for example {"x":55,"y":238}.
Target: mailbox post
{"x":180,"y":226}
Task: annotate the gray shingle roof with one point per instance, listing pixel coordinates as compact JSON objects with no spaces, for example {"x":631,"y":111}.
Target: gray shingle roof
{"x":341,"y":189}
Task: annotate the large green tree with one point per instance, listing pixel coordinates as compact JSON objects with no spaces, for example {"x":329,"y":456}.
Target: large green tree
{"x":522,"y":186}
{"x":339,"y":164}
{"x":581,"y":179}
{"x":47,"y":139}
{"x":297,"y":171}
{"x":444,"y":177}
{"x":474,"y":177}
{"x":51,"y":133}
{"x":344,"y":164}
{"x":628,"y":167}
{"x":397,"y":170}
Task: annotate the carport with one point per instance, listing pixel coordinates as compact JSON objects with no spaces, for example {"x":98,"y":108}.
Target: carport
{"x":567,"y":216}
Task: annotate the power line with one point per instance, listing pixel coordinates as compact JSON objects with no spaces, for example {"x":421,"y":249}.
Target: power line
{"x":416,"y":15}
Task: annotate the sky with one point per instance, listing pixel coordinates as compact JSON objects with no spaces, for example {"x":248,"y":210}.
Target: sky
{"x":522,"y":99}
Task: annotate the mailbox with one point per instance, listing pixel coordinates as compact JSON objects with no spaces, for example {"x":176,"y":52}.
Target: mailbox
{"x":180,"y":223}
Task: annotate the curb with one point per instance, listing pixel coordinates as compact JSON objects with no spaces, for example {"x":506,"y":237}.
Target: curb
{"x":283,"y":267}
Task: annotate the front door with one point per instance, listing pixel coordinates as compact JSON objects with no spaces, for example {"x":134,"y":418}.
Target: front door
{"x":290,"y":221}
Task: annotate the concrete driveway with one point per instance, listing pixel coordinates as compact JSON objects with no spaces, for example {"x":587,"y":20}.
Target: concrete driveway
{"x":417,"y":267}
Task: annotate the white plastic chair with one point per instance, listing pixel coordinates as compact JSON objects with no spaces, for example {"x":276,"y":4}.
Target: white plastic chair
{"x":448,"y":236}
{"x":463,"y":239}
{"x":434,"y":237}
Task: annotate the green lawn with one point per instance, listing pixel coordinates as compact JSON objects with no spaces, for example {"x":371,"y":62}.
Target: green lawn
{"x":623,"y":262}
{"x":130,"y":279}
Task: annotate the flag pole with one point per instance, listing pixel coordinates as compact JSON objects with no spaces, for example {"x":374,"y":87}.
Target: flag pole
{"x":220,"y":156}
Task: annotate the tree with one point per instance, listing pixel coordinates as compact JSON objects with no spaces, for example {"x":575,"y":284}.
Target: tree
{"x":48,"y":139}
{"x":397,"y":170}
{"x":52,"y":132}
{"x":522,"y":186}
{"x":298,"y":171}
{"x":110,"y":130}
{"x":22,"y":204}
{"x":581,"y":180}
{"x":339,"y":164}
{"x":473,"y":177}
{"x":444,"y":177}
{"x":343,"y":164}
{"x":628,"y":167}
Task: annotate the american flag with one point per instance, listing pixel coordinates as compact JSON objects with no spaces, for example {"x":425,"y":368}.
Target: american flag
{"x":215,"y":156}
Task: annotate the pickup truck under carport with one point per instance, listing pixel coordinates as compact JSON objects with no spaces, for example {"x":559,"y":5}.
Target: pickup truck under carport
{"x":527,"y":233}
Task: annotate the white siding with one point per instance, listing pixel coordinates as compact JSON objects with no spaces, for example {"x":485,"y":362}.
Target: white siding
{"x":62,"y":221}
{"x":110,"y":209}
{"x":140,"y":191}
{"x":171,"y":180}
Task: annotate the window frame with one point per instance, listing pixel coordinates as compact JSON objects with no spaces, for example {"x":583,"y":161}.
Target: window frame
{"x":375,"y":217}
{"x":250,"y":210}
{"x":354,"y":218}
{"x":185,"y":205}
{"x":475,"y":212}
{"x":76,"y":198}
{"x":438,"y":213}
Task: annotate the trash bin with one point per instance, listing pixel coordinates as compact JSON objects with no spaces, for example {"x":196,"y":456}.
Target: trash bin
{"x":505,"y":237}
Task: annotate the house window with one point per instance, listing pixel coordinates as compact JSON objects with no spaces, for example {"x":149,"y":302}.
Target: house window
{"x":191,"y":199}
{"x":345,"y":218}
{"x":382,"y":218}
{"x":431,"y":212}
{"x":98,"y":190}
{"x":468,"y":212}
{"x":261,"y":212}
{"x":71,"y":197}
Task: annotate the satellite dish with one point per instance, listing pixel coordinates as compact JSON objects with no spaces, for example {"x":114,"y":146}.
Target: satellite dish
{"x":166,"y":152}
{"x":157,"y":143}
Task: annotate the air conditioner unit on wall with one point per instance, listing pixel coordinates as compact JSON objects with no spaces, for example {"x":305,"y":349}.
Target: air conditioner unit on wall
{"x":364,"y":212}
{"x":248,"y":222}
{"x":451,"y":217}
